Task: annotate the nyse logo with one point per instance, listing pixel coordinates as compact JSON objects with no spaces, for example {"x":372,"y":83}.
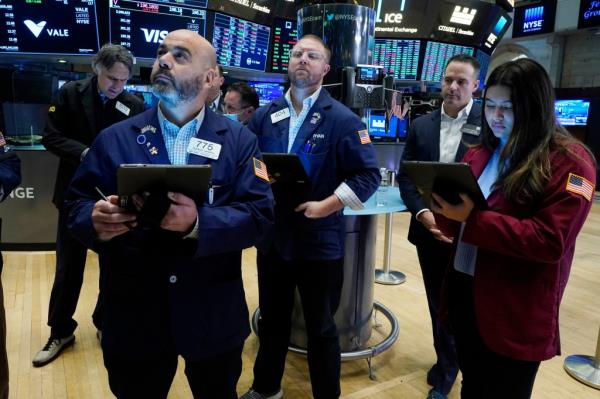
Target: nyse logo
{"x":154,"y":35}
{"x":534,"y":19}
{"x":37,"y":29}
{"x":463,"y":16}
{"x":390,"y":17}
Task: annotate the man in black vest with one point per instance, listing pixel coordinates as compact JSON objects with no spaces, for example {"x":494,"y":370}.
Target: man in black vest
{"x":81,"y":110}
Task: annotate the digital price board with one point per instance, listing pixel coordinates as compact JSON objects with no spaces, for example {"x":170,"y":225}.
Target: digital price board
{"x":285,"y":36}
{"x":67,"y":27}
{"x":240,"y":43}
{"x":437,"y":55}
{"x":141,"y":26}
{"x":399,"y":58}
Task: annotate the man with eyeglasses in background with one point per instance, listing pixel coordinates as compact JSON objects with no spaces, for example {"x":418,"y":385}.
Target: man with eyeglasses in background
{"x":442,"y":135}
{"x":306,"y":246}
{"x":241,"y":100}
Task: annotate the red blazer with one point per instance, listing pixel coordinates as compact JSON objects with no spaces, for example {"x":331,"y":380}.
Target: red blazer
{"x":524,"y":258}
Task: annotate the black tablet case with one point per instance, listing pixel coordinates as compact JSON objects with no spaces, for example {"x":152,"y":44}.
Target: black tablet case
{"x":444,"y":179}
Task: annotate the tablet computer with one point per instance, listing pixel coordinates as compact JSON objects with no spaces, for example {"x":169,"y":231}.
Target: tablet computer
{"x":444,"y":179}
{"x":191,"y":180}
{"x":285,"y":168}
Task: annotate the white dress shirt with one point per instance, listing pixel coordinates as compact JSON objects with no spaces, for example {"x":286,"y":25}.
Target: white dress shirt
{"x":450,"y":133}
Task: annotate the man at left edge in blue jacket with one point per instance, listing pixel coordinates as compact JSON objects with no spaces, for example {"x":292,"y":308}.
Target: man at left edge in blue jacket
{"x":175,"y":289}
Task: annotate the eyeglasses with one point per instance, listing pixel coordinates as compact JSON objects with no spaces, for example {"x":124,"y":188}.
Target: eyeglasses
{"x":312,"y":55}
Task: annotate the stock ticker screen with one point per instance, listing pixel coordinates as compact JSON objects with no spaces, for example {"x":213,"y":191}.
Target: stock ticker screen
{"x":67,"y":27}
{"x":484,"y":63}
{"x":240,"y":43}
{"x":141,"y":26}
{"x":285,"y":35}
{"x":436,"y":56}
{"x":399,"y":58}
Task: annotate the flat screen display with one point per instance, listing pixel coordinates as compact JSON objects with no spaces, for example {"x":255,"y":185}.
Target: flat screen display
{"x":142,"y":26}
{"x":460,"y":23}
{"x":402,"y":18}
{"x":484,"y":63}
{"x":589,"y":14}
{"x":67,"y":27}
{"x":240,"y":43}
{"x":267,"y":91}
{"x":285,"y":36}
{"x":437,"y":55}
{"x":534,"y":19}
{"x":399,"y":58}
{"x":572,"y":112}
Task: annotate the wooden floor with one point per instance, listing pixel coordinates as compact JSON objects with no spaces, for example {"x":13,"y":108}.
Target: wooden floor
{"x":400,"y":371}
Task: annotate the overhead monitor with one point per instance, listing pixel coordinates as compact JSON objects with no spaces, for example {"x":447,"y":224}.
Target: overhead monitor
{"x":240,"y":43}
{"x":572,"y":112}
{"x":141,"y":26}
{"x":260,"y":11}
{"x":399,"y":58}
{"x":437,"y":55}
{"x":484,"y":63}
{"x":499,"y":28}
{"x":267,"y":91}
{"x":534,"y":19}
{"x":67,"y":27}
{"x":589,"y":14}
{"x":285,"y":35}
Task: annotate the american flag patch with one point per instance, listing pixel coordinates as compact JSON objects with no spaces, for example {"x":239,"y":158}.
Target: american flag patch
{"x":260,"y":169}
{"x":580,"y":185}
{"x":363,"y":135}
{"x":2,"y":141}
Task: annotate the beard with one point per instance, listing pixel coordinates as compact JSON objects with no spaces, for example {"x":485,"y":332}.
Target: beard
{"x":301,"y":82}
{"x":174,"y":92}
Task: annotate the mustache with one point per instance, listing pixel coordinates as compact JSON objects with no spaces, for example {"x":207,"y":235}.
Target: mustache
{"x":164,"y":72}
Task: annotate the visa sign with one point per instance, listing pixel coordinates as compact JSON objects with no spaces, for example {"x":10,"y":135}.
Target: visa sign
{"x":534,"y":19}
{"x":154,"y":35}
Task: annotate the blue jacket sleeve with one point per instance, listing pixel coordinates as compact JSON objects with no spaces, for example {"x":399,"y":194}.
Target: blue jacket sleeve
{"x":358,"y":161}
{"x":10,"y":175}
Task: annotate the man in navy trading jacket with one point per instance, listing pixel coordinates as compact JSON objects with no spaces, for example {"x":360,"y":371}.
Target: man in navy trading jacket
{"x":442,"y":135}
{"x":175,"y":287}
{"x":306,"y":248}
{"x":81,"y":110}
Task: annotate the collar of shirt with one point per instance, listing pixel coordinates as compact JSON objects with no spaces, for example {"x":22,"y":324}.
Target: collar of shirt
{"x":215,"y":104}
{"x":296,"y":120}
{"x":177,"y":138}
{"x":103,"y":97}
{"x":462,"y":114}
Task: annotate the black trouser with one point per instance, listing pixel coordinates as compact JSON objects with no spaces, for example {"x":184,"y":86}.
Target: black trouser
{"x":320,"y":285}
{"x":434,"y":258}
{"x":70,"y":264}
{"x":215,"y":377}
{"x":486,"y":374}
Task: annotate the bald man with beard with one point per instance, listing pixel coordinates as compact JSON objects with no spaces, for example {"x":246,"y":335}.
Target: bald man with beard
{"x":174,"y":285}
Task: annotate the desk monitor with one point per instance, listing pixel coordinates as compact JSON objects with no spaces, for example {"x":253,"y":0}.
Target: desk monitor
{"x":240,"y":43}
{"x":67,"y":27}
{"x":437,"y":55}
{"x":445,"y":179}
{"x":267,"y":91}
{"x":572,"y":112}
{"x":141,"y":26}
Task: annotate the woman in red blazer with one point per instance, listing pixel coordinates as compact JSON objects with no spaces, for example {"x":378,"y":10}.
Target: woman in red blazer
{"x":512,"y":260}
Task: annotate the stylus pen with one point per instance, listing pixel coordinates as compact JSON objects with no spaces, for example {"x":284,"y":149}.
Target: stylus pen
{"x":129,"y":226}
